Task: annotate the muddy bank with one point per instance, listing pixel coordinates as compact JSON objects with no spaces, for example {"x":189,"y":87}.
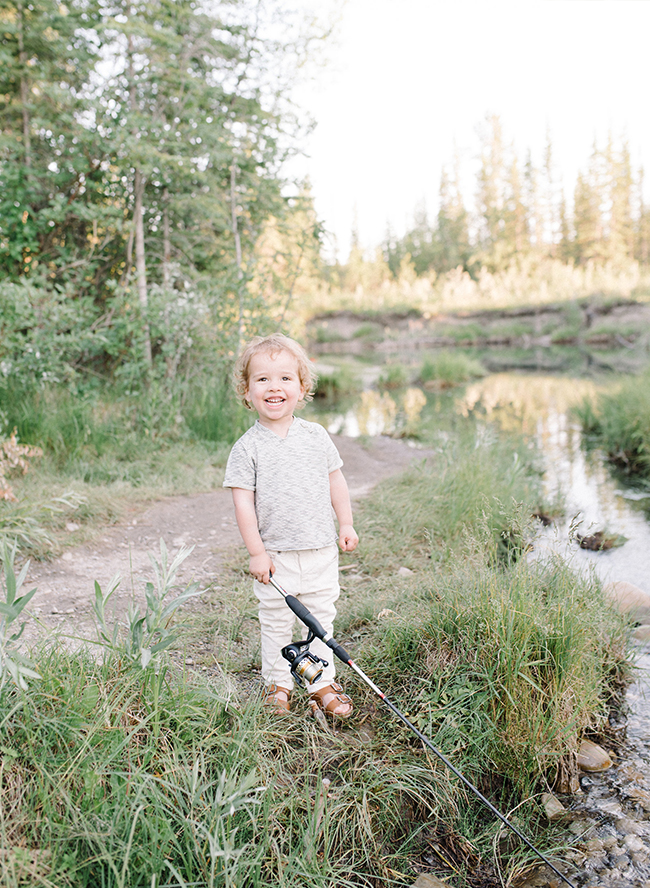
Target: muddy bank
{"x":594,"y":324}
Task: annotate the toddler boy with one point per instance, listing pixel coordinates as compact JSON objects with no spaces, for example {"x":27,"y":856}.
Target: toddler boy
{"x":285,"y":475}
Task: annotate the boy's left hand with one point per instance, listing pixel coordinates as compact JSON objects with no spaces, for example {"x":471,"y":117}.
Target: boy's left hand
{"x":348,"y":539}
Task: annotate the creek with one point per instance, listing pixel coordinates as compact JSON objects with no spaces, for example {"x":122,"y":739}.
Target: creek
{"x":609,"y":819}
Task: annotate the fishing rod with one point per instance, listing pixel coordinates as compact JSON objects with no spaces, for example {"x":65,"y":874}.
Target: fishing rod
{"x":305,"y":667}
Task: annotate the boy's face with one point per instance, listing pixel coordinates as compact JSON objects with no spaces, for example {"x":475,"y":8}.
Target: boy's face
{"x":274,"y":387}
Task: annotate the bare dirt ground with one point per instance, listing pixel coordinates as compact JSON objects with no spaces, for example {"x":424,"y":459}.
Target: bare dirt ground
{"x":65,"y":585}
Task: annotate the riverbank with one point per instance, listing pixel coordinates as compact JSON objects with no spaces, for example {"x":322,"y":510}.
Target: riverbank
{"x":427,"y":608}
{"x":613,"y":332}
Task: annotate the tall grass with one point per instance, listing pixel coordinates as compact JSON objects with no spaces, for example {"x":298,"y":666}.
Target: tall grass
{"x":123,"y":770}
{"x":222,"y":797}
{"x":479,"y":480}
{"x":449,"y":368}
{"x":212,"y":413}
{"x":102,"y":450}
{"x":505,"y":670}
{"x":618,"y":422}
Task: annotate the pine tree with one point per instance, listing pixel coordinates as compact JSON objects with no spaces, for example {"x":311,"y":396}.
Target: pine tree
{"x":620,"y":239}
{"x":587,"y":219}
{"x":642,"y":228}
{"x":490,"y":198}
{"x":452,"y":234}
{"x":515,"y":230}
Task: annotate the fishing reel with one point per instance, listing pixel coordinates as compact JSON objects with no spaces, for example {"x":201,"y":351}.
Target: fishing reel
{"x":306,"y":667}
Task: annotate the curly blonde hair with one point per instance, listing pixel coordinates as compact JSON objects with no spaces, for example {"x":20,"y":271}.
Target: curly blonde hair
{"x":271,"y":345}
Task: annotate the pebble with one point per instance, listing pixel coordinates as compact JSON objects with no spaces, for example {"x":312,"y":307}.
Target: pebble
{"x":610,"y":819}
{"x":592,"y":757}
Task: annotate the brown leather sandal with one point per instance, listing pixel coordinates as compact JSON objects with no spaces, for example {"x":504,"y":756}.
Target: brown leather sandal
{"x":277,"y":698}
{"x":333,"y":699}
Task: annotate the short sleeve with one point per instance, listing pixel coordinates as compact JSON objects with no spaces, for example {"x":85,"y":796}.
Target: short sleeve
{"x":334,"y":460}
{"x":240,"y":468}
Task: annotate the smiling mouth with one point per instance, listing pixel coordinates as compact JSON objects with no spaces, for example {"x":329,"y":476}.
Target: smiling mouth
{"x":275,"y":400}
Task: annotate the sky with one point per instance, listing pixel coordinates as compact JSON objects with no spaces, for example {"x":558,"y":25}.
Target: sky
{"x":409,"y":81}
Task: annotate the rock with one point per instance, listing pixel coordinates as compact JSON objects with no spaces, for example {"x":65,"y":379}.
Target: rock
{"x":592,"y":757}
{"x":581,"y":826}
{"x":404,"y":572}
{"x":629,"y":599}
{"x":428,"y":881}
{"x":640,"y":796}
{"x":553,"y":808}
{"x":642,"y":633}
{"x":633,"y":843}
{"x":71,"y":526}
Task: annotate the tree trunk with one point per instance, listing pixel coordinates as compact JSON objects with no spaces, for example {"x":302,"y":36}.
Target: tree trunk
{"x":24,"y":89}
{"x":167,"y":250}
{"x":138,"y":220}
{"x":140,"y":264}
{"x":238,"y":256}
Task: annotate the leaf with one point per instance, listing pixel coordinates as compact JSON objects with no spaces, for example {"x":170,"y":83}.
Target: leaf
{"x":24,"y":600}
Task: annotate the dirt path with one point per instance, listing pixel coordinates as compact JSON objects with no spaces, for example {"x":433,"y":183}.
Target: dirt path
{"x":207,"y":522}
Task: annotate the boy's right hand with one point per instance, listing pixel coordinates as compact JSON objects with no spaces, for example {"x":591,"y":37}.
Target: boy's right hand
{"x":261,"y":567}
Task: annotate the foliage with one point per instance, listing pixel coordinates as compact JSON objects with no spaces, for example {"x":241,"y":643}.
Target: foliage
{"x":504,"y":670}
{"x":337,"y":382}
{"x":521,"y":211}
{"x":393,"y":375}
{"x":14,"y":461}
{"x":476,"y":481}
{"x":13,"y":663}
{"x":618,"y":421}
{"x":449,"y":368}
{"x":140,"y":155}
{"x":148,"y":634}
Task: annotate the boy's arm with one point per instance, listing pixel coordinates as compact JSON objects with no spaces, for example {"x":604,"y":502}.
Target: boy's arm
{"x":260,"y":564}
{"x":340,"y":496}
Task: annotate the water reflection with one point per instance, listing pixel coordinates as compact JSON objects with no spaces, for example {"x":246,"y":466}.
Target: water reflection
{"x":539,"y":405}
{"x":379,"y":414}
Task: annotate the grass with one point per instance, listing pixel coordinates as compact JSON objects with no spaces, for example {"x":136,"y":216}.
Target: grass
{"x":474,"y":483}
{"x":373,"y":332}
{"x":446,"y":369}
{"x":618,"y":422}
{"x":122,"y":768}
{"x":102,"y":453}
{"x":337,"y":382}
{"x":465,"y":332}
{"x":393,"y":376}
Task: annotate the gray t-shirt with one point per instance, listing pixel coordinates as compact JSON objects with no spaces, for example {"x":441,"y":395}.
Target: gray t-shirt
{"x":290,"y":477}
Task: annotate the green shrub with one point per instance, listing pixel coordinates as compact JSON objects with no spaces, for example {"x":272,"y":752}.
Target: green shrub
{"x":393,"y":376}
{"x":504,"y":670}
{"x":449,"y":368}
{"x":337,"y":382}
{"x":370,"y":331}
{"x":619,"y":422}
{"x":467,"y":332}
{"x":213,"y":413}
